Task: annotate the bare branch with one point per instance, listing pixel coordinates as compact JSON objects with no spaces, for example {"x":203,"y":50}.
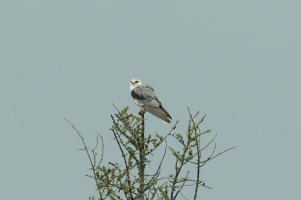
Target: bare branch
{"x":89,"y":156}
{"x":212,"y":157}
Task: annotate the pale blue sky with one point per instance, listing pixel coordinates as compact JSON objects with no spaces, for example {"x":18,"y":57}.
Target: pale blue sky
{"x":238,"y":61}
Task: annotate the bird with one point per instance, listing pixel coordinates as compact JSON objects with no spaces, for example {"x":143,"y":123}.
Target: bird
{"x":144,"y":96}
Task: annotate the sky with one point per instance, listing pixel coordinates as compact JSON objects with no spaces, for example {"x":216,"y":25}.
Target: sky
{"x":237,"y":61}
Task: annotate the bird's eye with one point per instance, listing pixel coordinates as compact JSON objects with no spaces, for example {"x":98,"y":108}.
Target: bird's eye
{"x":136,"y":81}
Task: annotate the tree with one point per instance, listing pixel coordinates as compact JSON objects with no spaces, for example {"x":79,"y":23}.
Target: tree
{"x":130,"y":180}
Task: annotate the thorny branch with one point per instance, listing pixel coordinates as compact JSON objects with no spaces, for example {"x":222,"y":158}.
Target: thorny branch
{"x":137,"y":148}
{"x":92,"y":158}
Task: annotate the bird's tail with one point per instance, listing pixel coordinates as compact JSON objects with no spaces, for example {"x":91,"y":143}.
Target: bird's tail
{"x":159,"y":112}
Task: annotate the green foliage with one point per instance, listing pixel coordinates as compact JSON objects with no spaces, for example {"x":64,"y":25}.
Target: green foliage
{"x":129,"y":179}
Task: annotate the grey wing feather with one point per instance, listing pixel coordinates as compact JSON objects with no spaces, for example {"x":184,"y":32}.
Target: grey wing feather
{"x":151,"y":103}
{"x":159,"y":112}
{"x":147,"y":96}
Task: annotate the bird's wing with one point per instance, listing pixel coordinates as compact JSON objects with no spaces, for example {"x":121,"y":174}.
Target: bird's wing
{"x":146,"y":97}
{"x":159,"y":112}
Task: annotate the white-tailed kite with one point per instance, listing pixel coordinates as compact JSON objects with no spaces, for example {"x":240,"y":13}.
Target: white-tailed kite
{"x":145,"y":97}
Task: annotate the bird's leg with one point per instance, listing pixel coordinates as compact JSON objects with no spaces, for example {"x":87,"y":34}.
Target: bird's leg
{"x":141,"y":112}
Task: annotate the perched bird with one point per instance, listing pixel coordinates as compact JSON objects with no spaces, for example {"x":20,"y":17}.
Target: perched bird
{"x":145,"y":97}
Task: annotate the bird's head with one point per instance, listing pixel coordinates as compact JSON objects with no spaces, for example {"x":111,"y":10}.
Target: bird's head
{"x":134,"y":83}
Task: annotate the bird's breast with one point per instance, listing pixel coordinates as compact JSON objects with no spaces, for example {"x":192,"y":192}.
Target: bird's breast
{"x":137,"y":102}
